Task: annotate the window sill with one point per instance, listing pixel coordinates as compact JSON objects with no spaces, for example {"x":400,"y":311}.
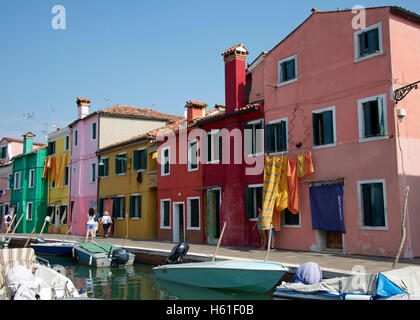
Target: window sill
{"x":135,"y":218}
{"x":259,"y":154}
{"x":166,"y":228}
{"x":278,"y":153}
{"x":121,"y":174}
{"x":291,"y":226}
{"x":323,"y":146}
{"x":194,"y":228}
{"x":373,"y":228}
{"x":192,"y":170}
{"x":363,"y":58}
{"x":373,"y":138}
{"x":165,"y":174}
{"x":286,"y":82}
{"x":253,"y":219}
{"x":213,"y":162}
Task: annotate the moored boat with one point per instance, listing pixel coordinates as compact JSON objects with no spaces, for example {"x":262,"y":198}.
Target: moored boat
{"x":53,"y":248}
{"x":102,"y":254}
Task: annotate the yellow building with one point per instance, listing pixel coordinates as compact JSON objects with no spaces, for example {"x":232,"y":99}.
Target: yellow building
{"x":58,"y":166}
{"x":128,"y":187}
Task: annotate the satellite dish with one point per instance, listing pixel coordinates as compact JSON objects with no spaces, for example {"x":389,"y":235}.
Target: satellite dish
{"x":139,"y":177}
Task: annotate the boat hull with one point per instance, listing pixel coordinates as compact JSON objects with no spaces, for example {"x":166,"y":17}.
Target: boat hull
{"x":59,"y":249}
{"x":246,"y":276}
{"x":98,"y":260}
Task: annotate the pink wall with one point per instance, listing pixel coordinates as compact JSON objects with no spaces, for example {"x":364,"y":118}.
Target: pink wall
{"x":329,"y":76}
{"x":82,"y":190}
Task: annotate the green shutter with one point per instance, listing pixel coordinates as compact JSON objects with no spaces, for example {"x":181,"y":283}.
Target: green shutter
{"x":117,"y":166}
{"x":367,"y":114}
{"x":101,"y":169}
{"x":143,"y":159}
{"x":269,"y":138}
{"x":249,"y":203}
{"x":315,"y":127}
{"x":220,"y":146}
{"x":136,"y":164}
{"x":328,"y":129}
{"x":373,"y":40}
{"x":139,"y":205}
{"x":381,"y":116}
{"x":132,"y":206}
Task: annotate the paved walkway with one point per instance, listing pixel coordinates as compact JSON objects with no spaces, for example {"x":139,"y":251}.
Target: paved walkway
{"x":332,"y":264}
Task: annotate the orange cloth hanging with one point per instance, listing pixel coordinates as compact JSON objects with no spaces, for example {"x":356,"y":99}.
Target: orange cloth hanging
{"x":301,"y":169}
{"x":308,"y":164}
{"x":292,"y":185}
{"x":276,"y":220}
{"x":53,"y":173}
{"x":45,"y":172}
{"x":282,"y":195}
{"x":60,"y":172}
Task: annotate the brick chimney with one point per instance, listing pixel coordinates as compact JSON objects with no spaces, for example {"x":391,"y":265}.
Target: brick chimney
{"x":195,"y":109}
{"x":235,"y":77}
{"x":28,"y":142}
{"x":83,"y":106}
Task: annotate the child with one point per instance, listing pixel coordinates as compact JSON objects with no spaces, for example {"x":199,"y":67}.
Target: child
{"x":90,"y":226}
{"x":262,"y":233}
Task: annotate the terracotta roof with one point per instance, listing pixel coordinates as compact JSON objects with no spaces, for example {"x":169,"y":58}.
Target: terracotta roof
{"x":20,"y":141}
{"x":122,"y":143}
{"x":121,"y":110}
{"x":232,"y":49}
{"x":195,"y":104}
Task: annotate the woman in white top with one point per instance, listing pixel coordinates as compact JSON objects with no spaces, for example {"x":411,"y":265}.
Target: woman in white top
{"x":106,"y":222}
{"x":90,"y":225}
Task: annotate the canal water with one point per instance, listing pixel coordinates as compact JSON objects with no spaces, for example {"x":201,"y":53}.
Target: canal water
{"x":138,"y":282}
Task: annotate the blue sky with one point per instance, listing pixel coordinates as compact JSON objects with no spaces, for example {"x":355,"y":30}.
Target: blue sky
{"x":155,"y":54}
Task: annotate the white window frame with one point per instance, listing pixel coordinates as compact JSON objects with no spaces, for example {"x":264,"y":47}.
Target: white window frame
{"x":162,"y":214}
{"x":91,"y":131}
{"x":136,"y":195}
{"x":252,"y":123}
{"x":9,"y":179}
{"x":280,"y":71}
{"x":17,"y":180}
{"x":119,"y":197}
{"x":357,"y":57}
{"x":213,"y":135}
{"x":191,"y":142}
{"x":360,"y":203}
{"x":361,"y":118}
{"x":255,"y":186}
{"x":287,"y":135}
{"x":331,"y":108}
{"x":162,"y":166}
{"x":27,"y":210}
{"x":92,"y":172}
{"x":189,"y":227}
{"x":31,"y":175}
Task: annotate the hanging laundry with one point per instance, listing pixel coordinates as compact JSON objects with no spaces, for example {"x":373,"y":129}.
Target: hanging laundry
{"x":276,"y":220}
{"x":292,"y":185}
{"x":59,"y":172}
{"x":272,"y":168}
{"x":308,"y":164}
{"x":282,"y":199}
{"x":53,"y":173}
{"x":301,"y":165}
{"x":47,"y":164}
{"x":327,"y":207}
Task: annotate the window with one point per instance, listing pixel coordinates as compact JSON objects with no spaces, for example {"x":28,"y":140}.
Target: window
{"x":67,"y":143}
{"x":103,"y":169}
{"x":287,"y":70}
{"x":372,"y":203}
{"x":17,"y":180}
{"x":63,"y":214}
{"x":290,"y":219}
{"x":3,"y":152}
{"x":214,"y":146}
{"x":254,"y":138}
{"x":193,"y":155}
{"x":93,"y":131}
{"x":50,"y":213}
{"x":140,"y":159}
{"x":165,"y":214}
{"x":101,"y":206}
{"x":276,"y":136}
{"x":193,"y":213}
{"x":165,"y":162}
{"x":372,"y":118}
{"x":121,"y":163}
{"x":66,"y":175}
{"x":135,"y":206}
{"x":31,"y":178}
{"x":323,"y":126}
{"x":51,"y":148}
{"x":10,"y":181}
{"x":29,"y":211}
{"x":254,"y":197}
{"x":75,"y":137}
{"x":92,"y":172}
{"x":119,"y":207}
{"x":52,"y":184}
{"x":368,"y":42}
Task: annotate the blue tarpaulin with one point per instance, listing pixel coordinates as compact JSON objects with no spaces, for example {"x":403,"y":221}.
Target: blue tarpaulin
{"x":327,"y":207}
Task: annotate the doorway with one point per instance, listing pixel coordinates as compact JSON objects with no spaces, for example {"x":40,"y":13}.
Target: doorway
{"x":214,"y":197}
{"x":178,"y":222}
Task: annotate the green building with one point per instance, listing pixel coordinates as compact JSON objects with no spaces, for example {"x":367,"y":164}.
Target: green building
{"x":29,"y":189}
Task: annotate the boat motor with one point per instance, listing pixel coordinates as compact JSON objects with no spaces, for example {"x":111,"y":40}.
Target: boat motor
{"x":178,"y":253}
{"x":119,"y":257}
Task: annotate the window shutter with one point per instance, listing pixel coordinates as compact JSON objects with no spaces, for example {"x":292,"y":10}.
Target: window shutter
{"x":116,"y":208}
{"x":269,"y":138}
{"x":106,"y":167}
{"x":247,"y":139}
{"x":139,"y":205}
{"x":220,"y":145}
{"x":381,"y":118}
{"x":123,"y":207}
{"x":132,"y":206}
{"x":367,"y":114}
{"x":136,"y":162}
{"x":124,"y":164}
{"x":327,"y":124}
{"x":101,"y":169}
{"x":117,"y":166}
{"x":362,"y":44}
{"x":315,"y":127}
{"x":143,"y":164}
{"x":209,"y":147}
{"x":373,"y":40}
{"x":249,"y":203}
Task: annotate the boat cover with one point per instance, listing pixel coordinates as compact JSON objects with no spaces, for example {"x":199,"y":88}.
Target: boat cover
{"x":22,"y":285}
{"x":404,"y":280}
{"x":308,"y":273}
{"x":13,"y":257}
{"x":94,"y":248}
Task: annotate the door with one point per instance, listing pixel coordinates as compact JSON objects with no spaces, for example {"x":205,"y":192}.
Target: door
{"x":213,"y":215}
{"x":334,"y":240}
{"x":178,"y":222}
{"x":57,"y":217}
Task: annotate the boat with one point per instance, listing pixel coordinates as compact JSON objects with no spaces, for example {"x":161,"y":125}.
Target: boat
{"x":43,"y":248}
{"x":395,"y":284}
{"x":102,"y":255}
{"x":24,"y":276}
{"x":235,"y":275}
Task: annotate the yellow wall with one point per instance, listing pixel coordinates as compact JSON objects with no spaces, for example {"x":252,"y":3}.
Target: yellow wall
{"x":126,"y":184}
{"x":59,"y":196}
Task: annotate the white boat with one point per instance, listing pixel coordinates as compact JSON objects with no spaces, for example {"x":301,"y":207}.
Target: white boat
{"x":396,"y":284}
{"x":22,"y":277}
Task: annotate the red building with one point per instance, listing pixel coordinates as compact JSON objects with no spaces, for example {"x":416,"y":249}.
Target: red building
{"x":218,"y":173}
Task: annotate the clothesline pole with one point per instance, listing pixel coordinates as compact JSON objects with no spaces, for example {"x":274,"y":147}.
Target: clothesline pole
{"x":269,"y":242}
{"x":220,"y":240}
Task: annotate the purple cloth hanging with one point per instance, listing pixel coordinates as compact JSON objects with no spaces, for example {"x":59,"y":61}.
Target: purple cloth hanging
{"x":327,"y":207}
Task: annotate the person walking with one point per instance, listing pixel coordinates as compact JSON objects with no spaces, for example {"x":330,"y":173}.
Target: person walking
{"x":90,"y":225}
{"x":97,"y":220}
{"x":263,"y":235}
{"x":106,"y":223}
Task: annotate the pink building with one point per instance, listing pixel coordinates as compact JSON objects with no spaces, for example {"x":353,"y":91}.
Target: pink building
{"x":91,"y":132}
{"x":331,"y":84}
{"x":9,"y":148}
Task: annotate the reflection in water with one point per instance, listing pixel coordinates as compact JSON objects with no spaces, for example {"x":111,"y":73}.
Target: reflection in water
{"x":138,"y":282}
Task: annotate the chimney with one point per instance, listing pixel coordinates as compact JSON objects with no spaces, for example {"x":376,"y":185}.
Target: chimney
{"x":83,"y":106}
{"x":235,"y":78}
{"x":28,"y":142}
{"x":195,"y":109}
